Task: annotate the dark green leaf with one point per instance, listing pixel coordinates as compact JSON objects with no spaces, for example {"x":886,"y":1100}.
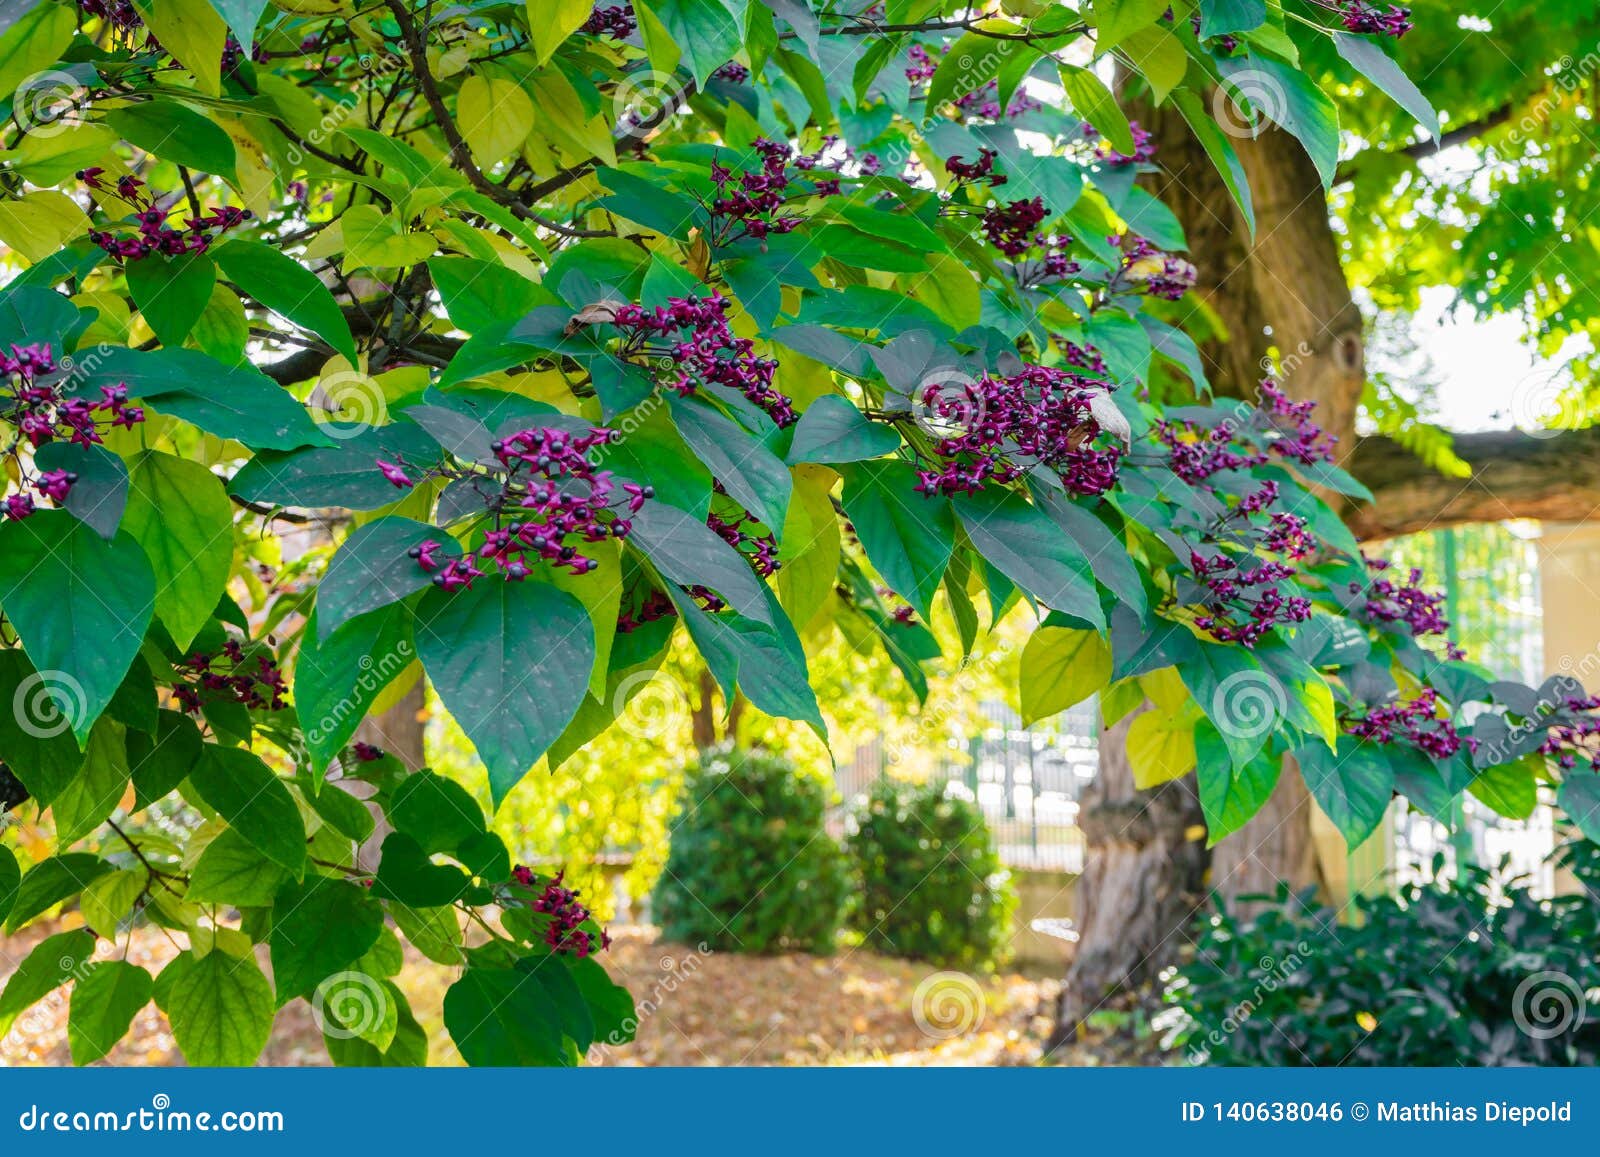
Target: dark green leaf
{"x":1021,"y":541}
{"x":833,"y":430}
{"x":510,"y":660}
{"x":320,"y":926}
{"x":497,"y":1016}
{"x":289,"y":289}
{"x":51,"y":964}
{"x":160,"y":762}
{"x":220,"y":1007}
{"x":232,"y":871}
{"x":336,"y":679}
{"x":51,"y":881}
{"x":243,"y":790}
{"x":175,"y":132}
{"x":180,"y":516}
{"x":908,"y":536}
{"x":372,"y":570}
{"x":105,"y":1000}
{"x":1353,"y":785}
{"x":99,"y":495}
{"x":172,"y":292}
{"x":80,"y":604}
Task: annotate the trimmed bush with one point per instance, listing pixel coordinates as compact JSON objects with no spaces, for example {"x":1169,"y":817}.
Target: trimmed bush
{"x":1471,"y":971}
{"x":932,"y":887}
{"x":750,"y":867}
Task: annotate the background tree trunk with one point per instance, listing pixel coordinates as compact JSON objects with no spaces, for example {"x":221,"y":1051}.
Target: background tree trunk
{"x":1143,"y":876}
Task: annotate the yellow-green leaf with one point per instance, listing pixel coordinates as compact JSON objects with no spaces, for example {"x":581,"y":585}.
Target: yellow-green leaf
{"x":550,"y":22}
{"x":494,"y":116}
{"x":193,"y":33}
{"x":1160,"y":748}
{"x":1061,"y":668}
{"x":40,"y":223}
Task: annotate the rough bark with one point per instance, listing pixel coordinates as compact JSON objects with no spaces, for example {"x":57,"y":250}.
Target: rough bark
{"x":1142,"y":879}
{"x":1552,"y":477}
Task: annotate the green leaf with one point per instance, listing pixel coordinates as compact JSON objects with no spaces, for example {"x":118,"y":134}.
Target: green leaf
{"x":10,"y":878}
{"x":342,"y":812}
{"x":172,"y":292}
{"x":1377,"y":66}
{"x":51,"y":881}
{"x":1509,"y":789}
{"x":242,"y":16}
{"x":550,"y":22}
{"x":220,"y":1007}
{"x":1221,"y":152}
{"x":751,"y":474}
{"x":319,"y":926}
{"x":345,"y":475}
{"x":180,"y":516}
{"x":495,"y":116}
{"x":833,"y":430}
{"x":33,"y":44}
{"x":972,"y":62}
{"x":336,"y":679}
{"x":109,"y":901}
{"x":908,"y":537}
{"x":80,"y":604}
{"x":498,"y":1016}
{"x":372,"y":569}
{"x":175,"y":132}
{"x":160,"y":762}
{"x":1579,"y":797}
{"x":51,"y":964}
{"x":1290,"y":99}
{"x":510,"y":660}
{"x":1059,"y":669}
{"x":1353,"y":785}
{"x":86,"y":802}
{"x":243,"y":790}
{"x":437,"y":812}
{"x":1229,"y":795}
{"x":232,"y":871}
{"x":100,"y":494}
{"x":764,"y":660}
{"x":1092,"y":100}
{"x":289,"y":289}
{"x":1220,"y":17}
{"x":193,"y":33}
{"x":105,"y":1000}
{"x":1020,"y":540}
{"x":701,"y":33}
{"x":689,"y":553}
{"x":407,"y":875}
{"x":409,"y":1045}
{"x":610,"y":1005}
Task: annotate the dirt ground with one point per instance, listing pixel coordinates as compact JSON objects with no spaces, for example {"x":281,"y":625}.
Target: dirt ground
{"x":695,"y":1008}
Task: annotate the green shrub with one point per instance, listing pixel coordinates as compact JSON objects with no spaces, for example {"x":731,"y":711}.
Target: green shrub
{"x":932,"y":887}
{"x":750,"y":867}
{"x":1473,"y":971}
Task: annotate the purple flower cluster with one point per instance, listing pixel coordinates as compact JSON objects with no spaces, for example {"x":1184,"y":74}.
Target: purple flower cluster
{"x":1359,"y":16}
{"x":615,"y":20}
{"x":983,"y":101}
{"x":980,"y":170}
{"x":549,"y":478}
{"x":733,"y":72}
{"x":565,"y":932}
{"x":708,"y":354}
{"x":748,"y":201}
{"x":1301,"y":439}
{"x":233,"y":55}
{"x":1570,"y":742}
{"x":756,"y":544}
{"x":42,"y":413}
{"x":227,"y":677}
{"x":1243,"y":605}
{"x":1161,"y":274}
{"x":155,"y":235}
{"x":655,"y":605}
{"x":1417,"y":723}
{"x":121,"y":15}
{"x":1144,"y":148}
{"x":1003,"y":425}
{"x":1010,"y":227}
{"x":1403,"y":602}
{"x":1195,"y":455}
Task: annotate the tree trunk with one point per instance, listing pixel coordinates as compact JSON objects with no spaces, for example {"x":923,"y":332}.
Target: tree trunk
{"x":1142,"y":879}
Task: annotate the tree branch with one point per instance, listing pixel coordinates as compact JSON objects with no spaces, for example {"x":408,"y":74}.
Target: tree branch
{"x":1553,"y":476}
{"x":1457,"y":136}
